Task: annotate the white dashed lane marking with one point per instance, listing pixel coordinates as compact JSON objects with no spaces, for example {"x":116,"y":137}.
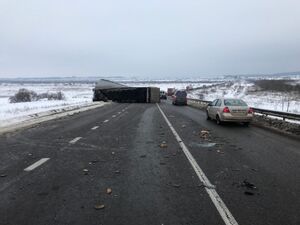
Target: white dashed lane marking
{"x":75,"y":140}
{"x":113,"y":116}
{"x":36,"y":164}
{"x":105,"y":121}
{"x":96,"y":127}
{"x":214,"y":196}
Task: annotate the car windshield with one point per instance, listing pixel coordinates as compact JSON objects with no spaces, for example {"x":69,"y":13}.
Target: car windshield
{"x":234,"y":102}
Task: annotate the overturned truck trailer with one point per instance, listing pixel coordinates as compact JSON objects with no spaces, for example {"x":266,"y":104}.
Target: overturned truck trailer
{"x":107,"y":90}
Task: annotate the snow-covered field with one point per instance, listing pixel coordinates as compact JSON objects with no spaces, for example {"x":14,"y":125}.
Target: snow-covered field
{"x":79,"y":94}
{"x":278,"y":101}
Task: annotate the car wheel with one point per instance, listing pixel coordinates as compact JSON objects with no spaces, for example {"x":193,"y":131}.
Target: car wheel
{"x":219,"y":122}
{"x":207,"y":116}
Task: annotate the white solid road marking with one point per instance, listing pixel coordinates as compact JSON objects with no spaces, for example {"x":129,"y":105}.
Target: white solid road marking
{"x":75,"y":140}
{"x":36,"y":164}
{"x":96,"y":127}
{"x":214,"y":196}
{"x":105,"y":121}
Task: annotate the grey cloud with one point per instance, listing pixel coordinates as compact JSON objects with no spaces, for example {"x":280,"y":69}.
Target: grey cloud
{"x":148,"y":38}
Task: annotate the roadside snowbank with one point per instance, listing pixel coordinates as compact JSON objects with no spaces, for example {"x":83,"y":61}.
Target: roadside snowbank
{"x":28,"y":121}
{"x":77,"y":95}
{"x":277,"y":101}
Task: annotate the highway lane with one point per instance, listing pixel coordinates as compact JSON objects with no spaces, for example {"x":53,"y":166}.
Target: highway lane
{"x":151,"y":185}
{"x":117,"y":147}
{"x":268,"y":160}
{"x":18,"y":149}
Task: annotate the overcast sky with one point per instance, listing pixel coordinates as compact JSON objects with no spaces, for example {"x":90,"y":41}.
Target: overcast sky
{"x":150,"y":38}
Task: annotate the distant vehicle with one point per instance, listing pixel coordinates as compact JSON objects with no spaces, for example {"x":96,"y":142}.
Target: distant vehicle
{"x":171,"y":91}
{"x":229,"y":110}
{"x":189,"y":88}
{"x":179,"y":98}
{"x":163,"y":95}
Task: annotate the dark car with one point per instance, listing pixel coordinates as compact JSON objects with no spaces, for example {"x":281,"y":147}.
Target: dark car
{"x":163,"y":95}
{"x":179,"y":98}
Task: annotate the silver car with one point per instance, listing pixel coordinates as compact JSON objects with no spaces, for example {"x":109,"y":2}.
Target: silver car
{"x":229,"y":110}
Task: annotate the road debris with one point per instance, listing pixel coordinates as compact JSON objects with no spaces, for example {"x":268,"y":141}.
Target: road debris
{"x":176,"y":185}
{"x":183,"y":126}
{"x":163,"y":145}
{"x":143,"y":156}
{"x":117,"y":172}
{"x":99,"y":206}
{"x":220,"y":152}
{"x":204,"y":134}
{"x":108,"y":191}
{"x":251,"y":189}
{"x":85,"y":171}
{"x":248,"y":185}
{"x":3,"y":175}
{"x":203,"y":145}
{"x":112,"y":153}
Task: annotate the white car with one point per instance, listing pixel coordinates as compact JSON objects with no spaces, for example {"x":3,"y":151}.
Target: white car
{"x":229,"y":110}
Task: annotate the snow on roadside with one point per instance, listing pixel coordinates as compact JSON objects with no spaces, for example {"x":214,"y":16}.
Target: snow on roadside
{"x":77,"y":95}
{"x":259,"y":99}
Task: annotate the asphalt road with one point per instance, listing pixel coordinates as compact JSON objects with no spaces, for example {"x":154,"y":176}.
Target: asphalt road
{"x":58,"y":172}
